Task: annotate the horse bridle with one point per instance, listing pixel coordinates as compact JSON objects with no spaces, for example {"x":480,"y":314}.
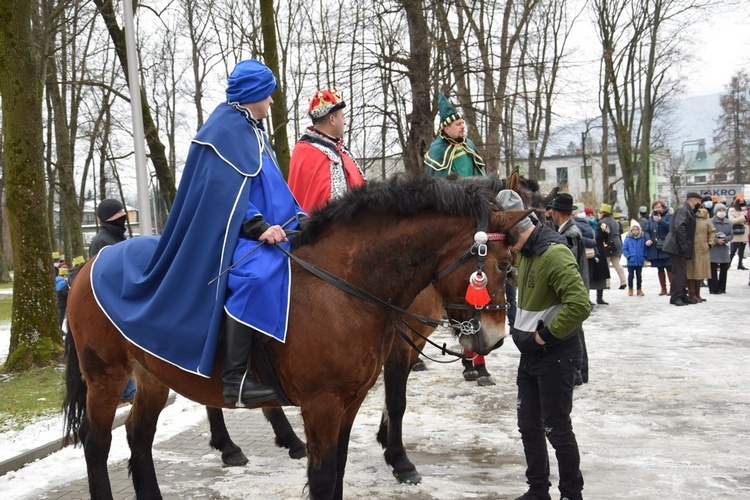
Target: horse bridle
{"x":478,"y":279}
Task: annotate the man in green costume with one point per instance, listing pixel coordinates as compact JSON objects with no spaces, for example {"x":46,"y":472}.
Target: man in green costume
{"x":451,"y":152}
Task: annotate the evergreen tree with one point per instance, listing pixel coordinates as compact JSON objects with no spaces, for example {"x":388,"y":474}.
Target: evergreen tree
{"x":732,"y":136}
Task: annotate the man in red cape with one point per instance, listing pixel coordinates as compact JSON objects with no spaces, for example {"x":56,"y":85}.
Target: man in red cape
{"x":322,"y":168}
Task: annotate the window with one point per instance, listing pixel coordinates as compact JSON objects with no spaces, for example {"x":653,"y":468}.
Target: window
{"x":585,"y":171}
{"x":542,"y":174}
{"x":720,"y":177}
{"x":88,"y":218}
{"x":699,"y":179}
{"x":612,"y":170}
{"x":562,"y":177}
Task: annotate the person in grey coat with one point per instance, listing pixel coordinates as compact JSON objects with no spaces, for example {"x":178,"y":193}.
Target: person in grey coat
{"x":720,"y":255}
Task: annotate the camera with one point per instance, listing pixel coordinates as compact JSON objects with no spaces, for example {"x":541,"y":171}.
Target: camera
{"x":655,"y":213}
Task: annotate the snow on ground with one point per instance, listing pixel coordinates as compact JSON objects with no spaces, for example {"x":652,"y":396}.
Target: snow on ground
{"x":665,"y":415}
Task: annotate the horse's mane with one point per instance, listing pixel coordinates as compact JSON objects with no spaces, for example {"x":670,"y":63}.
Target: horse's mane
{"x":406,"y":195}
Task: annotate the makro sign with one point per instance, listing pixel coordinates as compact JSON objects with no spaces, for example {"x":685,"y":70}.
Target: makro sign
{"x":727,"y":191}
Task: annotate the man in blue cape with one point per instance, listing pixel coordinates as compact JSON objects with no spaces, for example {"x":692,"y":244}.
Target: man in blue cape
{"x":215,"y":262}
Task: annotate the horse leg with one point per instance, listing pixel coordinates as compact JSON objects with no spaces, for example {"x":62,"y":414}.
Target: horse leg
{"x":231,"y":454}
{"x":285,"y":435}
{"x":345,"y":432}
{"x":95,"y":435}
{"x":322,"y":416}
{"x":140,"y":427}
{"x":104,"y":384}
{"x":395,"y":376}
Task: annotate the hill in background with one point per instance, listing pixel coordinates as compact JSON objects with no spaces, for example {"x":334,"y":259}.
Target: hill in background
{"x":690,"y":118}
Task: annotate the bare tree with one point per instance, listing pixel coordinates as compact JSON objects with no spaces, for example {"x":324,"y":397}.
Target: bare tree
{"x":156,"y":147}
{"x":642,"y":44}
{"x":732,"y":136}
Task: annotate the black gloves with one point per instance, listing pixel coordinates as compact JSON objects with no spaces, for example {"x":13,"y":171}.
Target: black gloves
{"x":253,"y":228}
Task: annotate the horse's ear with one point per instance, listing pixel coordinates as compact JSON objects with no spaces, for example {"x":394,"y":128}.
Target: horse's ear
{"x":513,"y":181}
{"x":551,"y":195}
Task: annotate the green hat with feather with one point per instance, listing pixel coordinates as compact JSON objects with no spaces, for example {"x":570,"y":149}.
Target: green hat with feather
{"x":448,"y":114}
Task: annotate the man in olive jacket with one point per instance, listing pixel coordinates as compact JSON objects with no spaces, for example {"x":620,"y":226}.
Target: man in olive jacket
{"x":552,"y":304}
{"x":679,"y":245}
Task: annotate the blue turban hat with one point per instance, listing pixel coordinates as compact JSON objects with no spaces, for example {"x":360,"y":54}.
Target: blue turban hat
{"x":250,"y":81}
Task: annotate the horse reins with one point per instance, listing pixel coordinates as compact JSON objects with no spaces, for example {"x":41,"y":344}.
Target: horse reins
{"x":477,"y":280}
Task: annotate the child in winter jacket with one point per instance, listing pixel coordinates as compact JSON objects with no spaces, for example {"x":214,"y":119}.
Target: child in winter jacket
{"x":634,"y":249}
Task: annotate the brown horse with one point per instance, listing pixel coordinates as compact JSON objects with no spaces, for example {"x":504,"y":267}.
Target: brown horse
{"x":389,"y":238}
{"x":396,"y":369}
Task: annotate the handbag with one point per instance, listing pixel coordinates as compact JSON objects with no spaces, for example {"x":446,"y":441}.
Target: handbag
{"x":590,"y":253}
{"x":659,"y":244}
{"x":738,"y":229}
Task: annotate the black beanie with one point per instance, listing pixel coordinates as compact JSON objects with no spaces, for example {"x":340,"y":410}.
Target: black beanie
{"x":107,"y":208}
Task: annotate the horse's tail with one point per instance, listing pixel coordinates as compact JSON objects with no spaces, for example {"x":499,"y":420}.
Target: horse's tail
{"x":74,"y":405}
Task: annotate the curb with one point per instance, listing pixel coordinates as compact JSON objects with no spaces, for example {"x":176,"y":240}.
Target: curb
{"x":15,"y":463}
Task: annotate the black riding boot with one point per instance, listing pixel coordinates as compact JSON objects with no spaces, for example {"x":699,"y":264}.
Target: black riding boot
{"x":238,"y":383}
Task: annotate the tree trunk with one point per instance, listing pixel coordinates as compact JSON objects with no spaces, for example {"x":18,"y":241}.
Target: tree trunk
{"x":35,"y":338}
{"x":155,"y":146}
{"x":70,"y":212}
{"x":418,"y":71}
{"x":279,"y":114}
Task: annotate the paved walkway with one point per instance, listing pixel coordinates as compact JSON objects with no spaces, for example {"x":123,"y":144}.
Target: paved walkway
{"x":175,"y":460}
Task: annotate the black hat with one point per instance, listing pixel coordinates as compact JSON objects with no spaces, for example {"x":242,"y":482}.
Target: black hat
{"x":107,"y":208}
{"x":563,"y":202}
{"x":693,"y":194}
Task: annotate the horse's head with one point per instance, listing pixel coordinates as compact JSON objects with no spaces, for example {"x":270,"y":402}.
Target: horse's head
{"x":473,"y":285}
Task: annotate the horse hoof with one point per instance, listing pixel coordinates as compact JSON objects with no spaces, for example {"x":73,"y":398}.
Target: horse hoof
{"x":234,"y":458}
{"x":485,"y":381}
{"x":419,"y":366}
{"x":298,"y":452}
{"x":470,"y":375}
{"x":410,"y":477}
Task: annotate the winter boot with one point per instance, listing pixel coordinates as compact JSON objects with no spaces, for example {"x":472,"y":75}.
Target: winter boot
{"x":600,"y":298}
{"x":692,"y":286}
{"x":630,"y":292}
{"x":697,"y":290}
{"x":483,"y":376}
{"x":238,"y":384}
{"x":640,"y":292}
{"x":470,"y":373}
{"x":662,"y":281}
{"x":669,"y":277}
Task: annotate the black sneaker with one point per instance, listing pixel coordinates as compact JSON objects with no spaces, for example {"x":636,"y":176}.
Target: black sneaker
{"x":534,"y":495}
{"x":677,"y":302}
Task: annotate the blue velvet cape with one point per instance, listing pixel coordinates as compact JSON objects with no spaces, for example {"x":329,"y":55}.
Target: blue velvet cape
{"x":155,"y":289}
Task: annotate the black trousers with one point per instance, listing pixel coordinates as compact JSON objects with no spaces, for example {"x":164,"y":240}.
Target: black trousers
{"x":718,"y":281}
{"x":545,"y":401}
{"x":739,"y":249}
{"x":636,"y":272}
{"x":679,"y":277}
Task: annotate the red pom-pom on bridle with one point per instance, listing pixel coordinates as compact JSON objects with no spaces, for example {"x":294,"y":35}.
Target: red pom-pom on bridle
{"x":476,"y":292}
